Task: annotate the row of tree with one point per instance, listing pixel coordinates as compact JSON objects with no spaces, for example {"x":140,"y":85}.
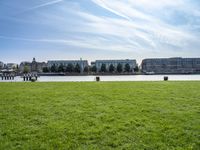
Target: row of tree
{"x":61,"y":68}
{"x":119,"y":69}
{"x":70,"y":68}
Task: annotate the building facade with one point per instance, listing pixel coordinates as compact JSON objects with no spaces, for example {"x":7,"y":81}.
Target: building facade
{"x":11,"y":66}
{"x":65,"y":63}
{"x":171,"y":65}
{"x":33,"y":66}
{"x":98,"y":63}
{"x":1,"y":65}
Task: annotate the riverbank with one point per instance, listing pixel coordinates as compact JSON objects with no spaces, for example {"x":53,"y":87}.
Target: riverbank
{"x":109,"y":74}
{"x":104,"y":115}
{"x":110,"y":78}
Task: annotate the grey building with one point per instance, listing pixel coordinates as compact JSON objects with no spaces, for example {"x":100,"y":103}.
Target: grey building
{"x":65,"y":63}
{"x":33,"y":66}
{"x":1,"y":65}
{"x":98,"y":63}
{"x":11,"y":66}
{"x":171,"y":65}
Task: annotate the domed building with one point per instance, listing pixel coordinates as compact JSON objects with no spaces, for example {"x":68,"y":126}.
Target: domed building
{"x":33,"y":66}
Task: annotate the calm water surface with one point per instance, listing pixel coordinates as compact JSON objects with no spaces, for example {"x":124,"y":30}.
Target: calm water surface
{"x":112,"y":78}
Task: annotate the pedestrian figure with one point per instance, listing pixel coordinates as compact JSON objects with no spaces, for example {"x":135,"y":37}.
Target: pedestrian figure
{"x":26,"y":77}
{"x":30,"y":77}
{"x":36,"y":77}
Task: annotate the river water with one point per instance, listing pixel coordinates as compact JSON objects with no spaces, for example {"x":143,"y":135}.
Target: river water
{"x":111,"y":78}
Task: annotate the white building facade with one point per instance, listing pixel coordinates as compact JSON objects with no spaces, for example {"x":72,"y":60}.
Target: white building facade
{"x":11,"y":65}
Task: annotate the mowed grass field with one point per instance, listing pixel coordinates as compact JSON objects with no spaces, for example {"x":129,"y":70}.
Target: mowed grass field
{"x":104,"y":115}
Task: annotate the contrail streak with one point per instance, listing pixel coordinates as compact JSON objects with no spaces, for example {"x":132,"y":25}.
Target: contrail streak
{"x":41,"y":5}
{"x":45,"y":4}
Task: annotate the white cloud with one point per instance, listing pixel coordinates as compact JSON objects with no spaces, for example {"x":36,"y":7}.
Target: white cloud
{"x":149,"y":26}
{"x":156,"y":4}
{"x":140,"y":28}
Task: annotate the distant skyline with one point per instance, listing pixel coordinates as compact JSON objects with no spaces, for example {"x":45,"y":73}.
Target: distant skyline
{"x":98,"y":29}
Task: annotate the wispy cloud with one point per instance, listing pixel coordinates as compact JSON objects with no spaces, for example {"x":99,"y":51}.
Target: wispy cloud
{"x":40,"y":6}
{"x":150,"y":25}
{"x":164,"y":27}
{"x":78,"y":42}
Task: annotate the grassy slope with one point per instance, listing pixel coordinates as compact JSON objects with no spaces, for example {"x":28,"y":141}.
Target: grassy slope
{"x":114,"y":115}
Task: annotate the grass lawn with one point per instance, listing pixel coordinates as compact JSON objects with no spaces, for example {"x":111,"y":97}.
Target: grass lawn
{"x":104,"y":115}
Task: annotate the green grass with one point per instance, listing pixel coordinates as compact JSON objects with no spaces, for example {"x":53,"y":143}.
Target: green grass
{"x":105,"y":115}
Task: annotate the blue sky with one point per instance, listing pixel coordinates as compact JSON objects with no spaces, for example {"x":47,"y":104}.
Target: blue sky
{"x":98,"y":29}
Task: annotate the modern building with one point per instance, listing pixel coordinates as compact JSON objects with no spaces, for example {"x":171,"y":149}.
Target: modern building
{"x":171,"y":65}
{"x":65,"y":63}
{"x":33,"y":66}
{"x":98,"y":63}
